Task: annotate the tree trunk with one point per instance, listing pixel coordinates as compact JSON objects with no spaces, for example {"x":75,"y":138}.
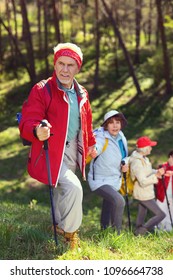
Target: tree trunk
{"x":28,"y":41}
{"x":15,"y":17}
{"x":83,"y":13}
{"x":116,"y":45}
{"x":46,"y":38}
{"x":138,"y":16}
{"x":1,"y":55}
{"x":15,"y":42}
{"x":61,"y":15}
{"x":15,"y":34}
{"x":8,"y":14}
{"x":39,"y":26}
{"x":97,"y":45}
{"x":164,"y":47}
{"x":56,"y":21}
{"x":150,"y":22}
{"x":128,"y":60}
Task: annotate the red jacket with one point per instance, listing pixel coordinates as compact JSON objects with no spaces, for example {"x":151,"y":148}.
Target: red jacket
{"x":55,"y":108}
{"x":160,"y":188}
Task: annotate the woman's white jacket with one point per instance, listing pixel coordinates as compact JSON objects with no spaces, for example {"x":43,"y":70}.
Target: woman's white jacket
{"x":106,"y":169}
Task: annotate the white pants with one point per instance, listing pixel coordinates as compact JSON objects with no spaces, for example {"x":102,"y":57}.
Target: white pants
{"x":69,"y":193}
{"x":166,"y":222}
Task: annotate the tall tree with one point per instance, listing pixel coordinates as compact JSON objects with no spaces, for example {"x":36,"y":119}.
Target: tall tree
{"x":150,"y":22}
{"x":15,"y":42}
{"x":166,"y":61}
{"x":15,"y":16}
{"x":84,"y":5}
{"x":126,"y":54}
{"x":39,"y":4}
{"x":15,"y":32}
{"x":138,"y":16}
{"x":97,"y":46}
{"x":28,"y":41}
{"x":45,"y":7}
{"x":1,"y":55}
{"x":8,"y":15}
{"x":56,"y":21}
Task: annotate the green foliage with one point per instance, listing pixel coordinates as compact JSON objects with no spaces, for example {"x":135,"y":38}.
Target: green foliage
{"x":168,"y":22}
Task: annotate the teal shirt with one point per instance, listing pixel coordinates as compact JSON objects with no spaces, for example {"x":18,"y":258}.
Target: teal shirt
{"x":74,"y":119}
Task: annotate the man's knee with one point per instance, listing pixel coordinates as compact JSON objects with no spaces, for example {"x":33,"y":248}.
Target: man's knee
{"x":76,"y":189}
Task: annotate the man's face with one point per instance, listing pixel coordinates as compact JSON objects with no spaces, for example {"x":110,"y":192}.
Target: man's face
{"x":66,"y":68}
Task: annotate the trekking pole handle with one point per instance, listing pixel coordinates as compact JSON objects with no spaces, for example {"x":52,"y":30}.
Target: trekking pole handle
{"x":124,"y":173}
{"x":44,"y":123}
{"x":161,"y":166}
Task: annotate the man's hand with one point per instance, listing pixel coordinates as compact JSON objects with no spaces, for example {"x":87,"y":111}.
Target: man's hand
{"x":92,"y":151}
{"x":43,"y":132}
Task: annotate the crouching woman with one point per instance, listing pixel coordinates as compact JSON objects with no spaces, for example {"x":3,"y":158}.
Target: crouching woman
{"x":105,"y":174}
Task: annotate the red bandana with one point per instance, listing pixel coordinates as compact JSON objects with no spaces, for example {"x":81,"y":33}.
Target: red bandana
{"x":70,"y":53}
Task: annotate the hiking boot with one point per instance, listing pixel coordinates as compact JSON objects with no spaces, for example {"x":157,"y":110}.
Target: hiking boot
{"x":141,"y":231}
{"x":73,"y":239}
{"x":59,"y":231}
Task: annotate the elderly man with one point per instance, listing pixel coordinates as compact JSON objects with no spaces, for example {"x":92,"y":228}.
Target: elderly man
{"x":64,"y":104}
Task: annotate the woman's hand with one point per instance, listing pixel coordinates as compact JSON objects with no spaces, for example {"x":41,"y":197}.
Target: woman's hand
{"x":160,"y":172}
{"x":169,"y":173}
{"x":124,"y":168}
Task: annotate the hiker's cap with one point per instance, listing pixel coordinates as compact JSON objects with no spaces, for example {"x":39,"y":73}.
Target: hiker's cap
{"x":114,"y":113}
{"x":145,"y":141}
{"x":68,"y":49}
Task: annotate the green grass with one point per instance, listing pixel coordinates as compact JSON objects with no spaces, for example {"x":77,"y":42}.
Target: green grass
{"x":25,"y":234}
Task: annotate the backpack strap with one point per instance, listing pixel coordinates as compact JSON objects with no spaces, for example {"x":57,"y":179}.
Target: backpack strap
{"x":45,"y":86}
{"x":105,"y":145}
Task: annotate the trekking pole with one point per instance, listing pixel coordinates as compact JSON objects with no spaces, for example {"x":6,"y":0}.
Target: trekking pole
{"x":126,"y":196}
{"x":168,"y":204}
{"x":44,"y":123}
